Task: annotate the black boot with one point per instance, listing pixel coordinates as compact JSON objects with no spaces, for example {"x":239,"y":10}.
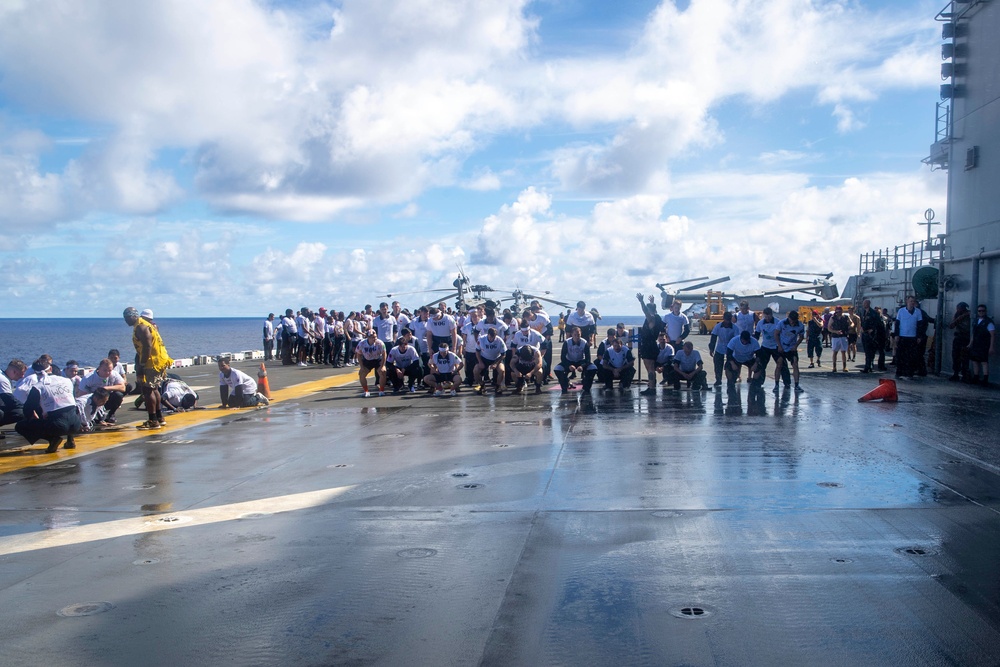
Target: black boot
{"x":563,"y":380}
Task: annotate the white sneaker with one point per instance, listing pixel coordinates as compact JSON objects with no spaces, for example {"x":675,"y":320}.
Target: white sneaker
{"x":302,"y":364}
{"x":368,"y":394}
{"x":262,"y":399}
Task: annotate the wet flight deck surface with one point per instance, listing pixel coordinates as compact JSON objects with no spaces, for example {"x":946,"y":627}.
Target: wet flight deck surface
{"x":683,"y":529}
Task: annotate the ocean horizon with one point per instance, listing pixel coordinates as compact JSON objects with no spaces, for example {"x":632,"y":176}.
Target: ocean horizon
{"x":87,"y":340}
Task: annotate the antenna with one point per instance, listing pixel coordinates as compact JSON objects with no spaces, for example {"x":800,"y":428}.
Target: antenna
{"x":929,"y":221}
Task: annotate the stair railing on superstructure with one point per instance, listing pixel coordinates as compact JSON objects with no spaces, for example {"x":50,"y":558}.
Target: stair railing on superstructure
{"x":906,"y":256}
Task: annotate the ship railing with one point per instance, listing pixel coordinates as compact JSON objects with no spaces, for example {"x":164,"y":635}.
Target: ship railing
{"x":956,"y":10}
{"x":906,"y":256}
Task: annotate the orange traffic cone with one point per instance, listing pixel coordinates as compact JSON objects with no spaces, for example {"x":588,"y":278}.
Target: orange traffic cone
{"x":886,"y":390}
{"x":262,"y":385}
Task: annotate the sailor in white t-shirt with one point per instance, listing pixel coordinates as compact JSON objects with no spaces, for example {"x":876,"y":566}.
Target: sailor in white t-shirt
{"x":90,"y":408}
{"x":11,"y":410}
{"x":371,"y":355}
{"x":267,"y":333}
{"x":418,"y":325}
{"x":403,"y":365}
{"x":302,"y":335}
{"x":490,"y":319}
{"x":51,"y":397}
{"x":177,"y":395}
{"x":745,"y":320}
{"x":581,"y":318}
{"x":446,"y":371}
{"x":689,"y":366}
{"x":525,"y":335}
{"x":402,"y":319}
{"x":385,"y":325}
{"x":490,"y":354}
{"x":441,"y":328}
{"x":104,"y":377}
{"x":540,"y":321}
{"x":30,"y":379}
{"x":236,"y":388}
{"x":469,"y":342}
{"x":678,"y":325}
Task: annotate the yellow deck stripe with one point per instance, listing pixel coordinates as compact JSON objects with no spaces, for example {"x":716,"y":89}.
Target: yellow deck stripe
{"x":34,"y":455}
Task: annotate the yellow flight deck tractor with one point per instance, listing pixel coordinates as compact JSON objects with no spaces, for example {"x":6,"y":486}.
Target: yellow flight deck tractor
{"x":715,"y":306}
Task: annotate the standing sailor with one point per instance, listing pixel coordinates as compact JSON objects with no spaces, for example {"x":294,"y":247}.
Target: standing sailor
{"x":722,"y":333}
{"x":269,"y":337}
{"x":581,"y":318}
{"x":151,"y":363}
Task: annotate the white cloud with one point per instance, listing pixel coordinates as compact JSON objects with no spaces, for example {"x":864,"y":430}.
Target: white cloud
{"x":303,"y":113}
{"x":784,"y":156}
{"x":686,"y":63}
{"x":603,"y":255}
{"x":283,"y":121}
{"x":409,"y":211}
{"x":28,"y":196}
{"x":483,"y":180}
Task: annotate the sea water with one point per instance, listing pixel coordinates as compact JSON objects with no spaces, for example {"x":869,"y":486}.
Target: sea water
{"x":87,"y":340}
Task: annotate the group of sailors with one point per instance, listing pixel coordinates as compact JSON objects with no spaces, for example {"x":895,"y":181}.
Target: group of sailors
{"x":440,"y":353}
{"x":45,"y":402}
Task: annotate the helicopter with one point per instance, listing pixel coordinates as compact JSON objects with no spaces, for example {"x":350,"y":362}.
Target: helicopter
{"x":822,"y":286}
{"x":667,"y":298}
{"x":468,"y":295}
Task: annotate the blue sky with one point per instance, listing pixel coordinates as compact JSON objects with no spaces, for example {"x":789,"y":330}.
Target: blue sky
{"x":236,"y":157}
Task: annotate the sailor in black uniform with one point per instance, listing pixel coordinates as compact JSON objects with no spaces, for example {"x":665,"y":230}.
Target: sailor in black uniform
{"x":575,"y":356}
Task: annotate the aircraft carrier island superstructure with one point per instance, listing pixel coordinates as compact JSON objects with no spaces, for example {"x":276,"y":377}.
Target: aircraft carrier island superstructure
{"x":962,"y":264}
{"x":968,"y":146}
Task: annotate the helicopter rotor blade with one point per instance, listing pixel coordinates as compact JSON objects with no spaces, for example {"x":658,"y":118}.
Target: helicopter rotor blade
{"x":708,"y":283}
{"x":812,"y":289}
{"x":422,"y":291}
{"x":785,"y":279}
{"x":454,"y":295}
{"x":542,"y":298}
{"x":660,"y":286}
{"x":805,"y":273}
